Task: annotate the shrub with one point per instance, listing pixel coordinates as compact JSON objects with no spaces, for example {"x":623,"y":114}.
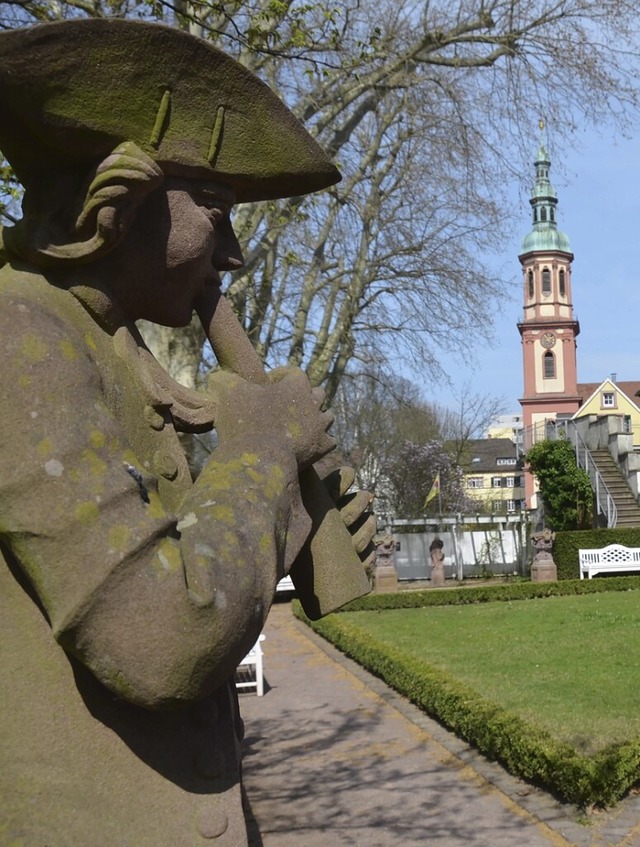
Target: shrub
{"x":524,"y":750}
{"x":568,"y":543}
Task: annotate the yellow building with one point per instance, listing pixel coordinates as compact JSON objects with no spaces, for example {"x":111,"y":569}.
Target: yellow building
{"x":493,"y":472}
{"x":612,"y":398}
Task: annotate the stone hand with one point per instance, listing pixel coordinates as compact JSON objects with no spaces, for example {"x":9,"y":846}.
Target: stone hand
{"x":285,"y":408}
{"x":355,"y":511}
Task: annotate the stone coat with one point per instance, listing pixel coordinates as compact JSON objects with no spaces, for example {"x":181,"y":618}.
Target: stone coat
{"x":128,"y":593}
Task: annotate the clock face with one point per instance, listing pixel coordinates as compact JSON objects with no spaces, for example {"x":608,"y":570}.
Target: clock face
{"x":548,"y":340}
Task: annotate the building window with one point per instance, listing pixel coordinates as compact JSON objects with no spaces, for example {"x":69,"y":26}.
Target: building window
{"x":563,"y":289}
{"x":509,"y":461}
{"x":511,"y":482}
{"x":608,"y":400}
{"x":530,"y":284}
{"x":511,"y":505}
{"x":475,"y":482}
{"x":626,"y":424}
{"x":546,"y":281}
{"x":552,"y":214}
{"x":549,"y":362}
{"x":496,"y":482}
{"x":543,"y":214}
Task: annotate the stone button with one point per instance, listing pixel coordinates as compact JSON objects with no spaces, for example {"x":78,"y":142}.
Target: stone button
{"x":153,"y":418}
{"x":212,"y":822}
{"x":165,"y":465}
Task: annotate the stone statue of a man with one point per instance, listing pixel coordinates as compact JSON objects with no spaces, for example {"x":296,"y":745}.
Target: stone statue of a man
{"x":129,"y":592}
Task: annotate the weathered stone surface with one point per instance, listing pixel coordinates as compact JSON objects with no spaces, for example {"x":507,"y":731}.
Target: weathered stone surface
{"x":129,"y":592}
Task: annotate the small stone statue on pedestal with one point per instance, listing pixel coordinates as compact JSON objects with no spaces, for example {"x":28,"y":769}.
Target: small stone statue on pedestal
{"x":386,"y":577}
{"x":543,"y":568}
{"x":437,"y":562}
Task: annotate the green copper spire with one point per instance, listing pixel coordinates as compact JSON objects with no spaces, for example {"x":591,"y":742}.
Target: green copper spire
{"x":545,"y":235}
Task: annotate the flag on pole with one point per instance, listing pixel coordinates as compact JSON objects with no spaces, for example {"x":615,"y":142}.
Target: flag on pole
{"x":433,"y":492}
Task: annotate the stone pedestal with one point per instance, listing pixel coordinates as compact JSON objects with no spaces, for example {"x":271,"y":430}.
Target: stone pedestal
{"x":544,"y":570}
{"x":385,"y":580}
{"x":437,"y":575}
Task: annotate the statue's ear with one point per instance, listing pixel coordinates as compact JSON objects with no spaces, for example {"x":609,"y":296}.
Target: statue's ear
{"x":119,"y":184}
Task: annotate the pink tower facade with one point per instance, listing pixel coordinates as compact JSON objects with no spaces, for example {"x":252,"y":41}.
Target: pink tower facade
{"x":548,"y":327}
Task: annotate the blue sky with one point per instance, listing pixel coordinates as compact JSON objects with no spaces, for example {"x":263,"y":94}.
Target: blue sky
{"x":598,"y":187}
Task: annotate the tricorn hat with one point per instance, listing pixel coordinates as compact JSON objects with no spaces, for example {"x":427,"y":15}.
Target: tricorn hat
{"x":72,"y":91}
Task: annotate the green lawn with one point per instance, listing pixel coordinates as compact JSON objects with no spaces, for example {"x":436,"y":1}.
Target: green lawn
{"x":570,"y":665}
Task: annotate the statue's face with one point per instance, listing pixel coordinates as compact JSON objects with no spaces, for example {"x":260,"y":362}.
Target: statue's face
{"x":183,"y":241}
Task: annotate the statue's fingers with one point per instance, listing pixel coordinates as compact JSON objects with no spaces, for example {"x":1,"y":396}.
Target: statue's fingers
{"x":338,"y":482}
{"x":354,"y":505}
{"x":368,"y":557}
{"x":362,"y":533}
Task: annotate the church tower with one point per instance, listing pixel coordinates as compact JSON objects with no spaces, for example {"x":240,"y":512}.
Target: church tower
{"x":548,"y":327}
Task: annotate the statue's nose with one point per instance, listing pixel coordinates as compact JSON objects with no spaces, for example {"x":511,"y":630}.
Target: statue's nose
{"x":227,"y":255}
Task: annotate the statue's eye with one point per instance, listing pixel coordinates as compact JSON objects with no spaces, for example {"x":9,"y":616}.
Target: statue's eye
{"x":214,"y":210}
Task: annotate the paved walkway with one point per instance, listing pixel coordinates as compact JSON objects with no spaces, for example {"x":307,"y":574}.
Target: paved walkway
{"x":333,"y":757}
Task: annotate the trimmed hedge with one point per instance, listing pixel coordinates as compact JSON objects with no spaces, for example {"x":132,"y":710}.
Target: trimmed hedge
{"x":523,"y":749}
{"x":489,"y":593}
{"x":567,"y":544}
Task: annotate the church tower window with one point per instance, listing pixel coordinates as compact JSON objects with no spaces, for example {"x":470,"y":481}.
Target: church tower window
{"x":530,"y":285}
{"x":549,"y":365}
{"x":546,"y":281}
{"x":543,"y":214}
{"x":563,"y":289}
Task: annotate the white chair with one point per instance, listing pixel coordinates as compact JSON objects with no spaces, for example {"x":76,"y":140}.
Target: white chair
{"x":249,"y":673}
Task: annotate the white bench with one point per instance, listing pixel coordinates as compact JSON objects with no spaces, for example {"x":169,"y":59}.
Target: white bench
{"x":613,"y":558}
{"x":249,"y":673}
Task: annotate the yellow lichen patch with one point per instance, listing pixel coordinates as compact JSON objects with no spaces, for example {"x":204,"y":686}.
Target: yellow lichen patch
{"x":294,"y":430}
{"x":44,"y":447}
{"x":223,"y":513}
{"x":227,"y":476}
{"x":250,"y":459}
{"x":67,"y":349}
{"x":155,"y":509}
{"x":265,"y":545}
{"x":24,"y":381}
{"x":256,"y":476}
{"x":119,"y":537}
{"x":275,"y":482}
{"x":97,"y":465}
{"x":33,"y":348}
{"x":230,"y":539}
{"x":86,"y":513}
{"x":168,"y":559}
{"x":89,"y":341}
{"x":97,"y":439}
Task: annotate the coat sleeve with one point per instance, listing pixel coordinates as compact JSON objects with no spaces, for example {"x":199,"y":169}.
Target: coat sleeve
{"x":160,"y":607}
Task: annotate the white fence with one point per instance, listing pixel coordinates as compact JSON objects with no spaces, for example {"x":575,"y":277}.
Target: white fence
{"x":472,"y":547}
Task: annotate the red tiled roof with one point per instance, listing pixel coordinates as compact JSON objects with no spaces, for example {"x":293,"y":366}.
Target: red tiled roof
{"x":631,"y":389}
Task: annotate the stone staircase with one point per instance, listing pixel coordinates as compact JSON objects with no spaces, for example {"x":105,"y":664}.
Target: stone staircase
{"x":626,"y":505}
